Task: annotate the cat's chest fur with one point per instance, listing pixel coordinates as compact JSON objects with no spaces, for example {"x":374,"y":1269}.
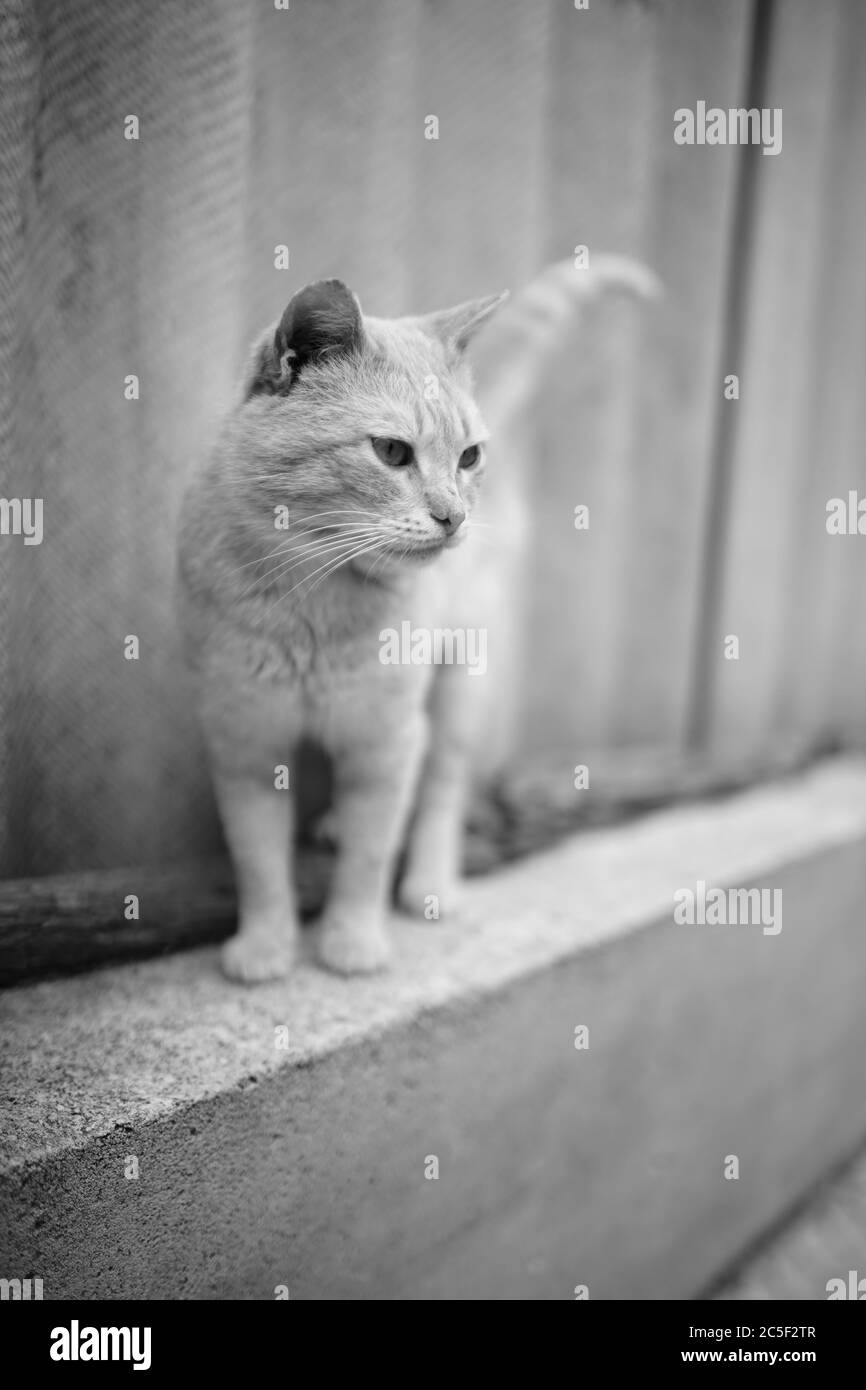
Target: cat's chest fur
{"x":325,"y":654}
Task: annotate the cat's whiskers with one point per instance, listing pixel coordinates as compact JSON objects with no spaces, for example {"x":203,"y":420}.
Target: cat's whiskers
{"x":290,"y":543}
{"x":334,"y":532}
{"x":333,"y":564}
{"x":331,"y":526}
{"x":335,"y":544}
{"x":345,"y":551}
{"x":346,"y":559}
{"x":296,"y":556}
{"x":342,"y":511}
{"x":329,"y":541}
{"x":311,"y":553}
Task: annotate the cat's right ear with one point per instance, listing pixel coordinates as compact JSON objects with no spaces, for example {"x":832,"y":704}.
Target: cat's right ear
{"x":322,"y":319}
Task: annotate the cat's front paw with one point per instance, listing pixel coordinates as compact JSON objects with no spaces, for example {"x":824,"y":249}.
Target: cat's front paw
{"x":352,"y":949}
{"x":255,"y":957}
{"x":428,"y":898}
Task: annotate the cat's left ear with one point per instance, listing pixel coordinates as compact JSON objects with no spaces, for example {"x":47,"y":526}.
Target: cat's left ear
{"x":455,"y":328}
{"x":323,"y":319}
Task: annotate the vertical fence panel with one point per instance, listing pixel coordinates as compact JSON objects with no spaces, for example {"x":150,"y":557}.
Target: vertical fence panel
{"x":482,"y":73}
{"x":632,"y":408}
{"x":128,"y":254}
{"x":18,"y":98}
{"x":780,"y":566}
{"x":332,"y":153}
{"x":824,"y":687}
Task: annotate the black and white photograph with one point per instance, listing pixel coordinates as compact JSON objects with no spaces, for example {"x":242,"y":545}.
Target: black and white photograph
{"x":433,"y":666}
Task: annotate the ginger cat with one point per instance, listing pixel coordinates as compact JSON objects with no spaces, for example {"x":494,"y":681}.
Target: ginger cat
{"x":366,"y":435}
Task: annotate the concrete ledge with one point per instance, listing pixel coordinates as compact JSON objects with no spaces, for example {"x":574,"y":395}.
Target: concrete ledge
{"x":68,"y":924}
{"x":557,"y":1167}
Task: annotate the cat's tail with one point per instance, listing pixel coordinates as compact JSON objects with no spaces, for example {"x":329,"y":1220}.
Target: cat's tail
{"x":511,"y":356}
{"x":514,"y":351}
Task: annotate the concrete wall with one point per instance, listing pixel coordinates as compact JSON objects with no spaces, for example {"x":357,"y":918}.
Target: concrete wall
{"x":557,"y":1167}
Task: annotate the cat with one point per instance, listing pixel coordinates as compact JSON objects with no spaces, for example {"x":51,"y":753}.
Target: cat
{"x":365,"y":438}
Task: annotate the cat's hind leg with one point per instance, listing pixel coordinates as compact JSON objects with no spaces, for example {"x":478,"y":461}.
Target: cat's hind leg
{"x":429,"y":888}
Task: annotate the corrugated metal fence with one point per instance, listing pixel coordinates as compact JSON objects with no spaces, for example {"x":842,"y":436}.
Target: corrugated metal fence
{"x":305,"y":126}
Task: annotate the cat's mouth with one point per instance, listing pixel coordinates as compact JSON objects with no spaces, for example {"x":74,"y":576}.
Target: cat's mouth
{"x":422,"y":551}
{"x":428,"y":550}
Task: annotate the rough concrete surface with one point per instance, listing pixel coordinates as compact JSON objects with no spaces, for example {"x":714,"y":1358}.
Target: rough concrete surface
{"x":306,"y":1167}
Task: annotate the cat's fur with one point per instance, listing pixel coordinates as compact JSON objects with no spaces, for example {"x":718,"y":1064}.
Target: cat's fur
{"x":283,"y":627}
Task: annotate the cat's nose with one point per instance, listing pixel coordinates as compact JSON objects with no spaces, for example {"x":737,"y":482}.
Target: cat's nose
{"x":450,"y":517}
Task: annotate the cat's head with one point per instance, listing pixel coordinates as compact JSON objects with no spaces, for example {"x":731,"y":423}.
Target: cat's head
{"x":367,"y":426}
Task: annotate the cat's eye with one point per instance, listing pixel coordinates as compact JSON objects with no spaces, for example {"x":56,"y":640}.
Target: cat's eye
{"x":470,"y":456}
{"x":395,"y":452}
